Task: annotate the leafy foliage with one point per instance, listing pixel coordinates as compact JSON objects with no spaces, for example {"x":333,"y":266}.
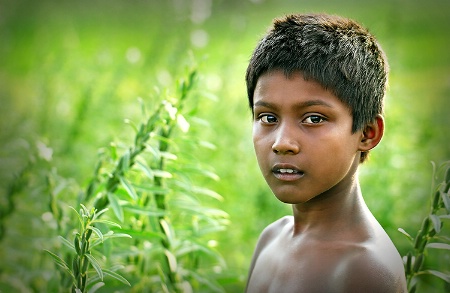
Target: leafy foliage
{"x":152,"y":194}
{"x":82,"y":258}
{"x":430,"y":235}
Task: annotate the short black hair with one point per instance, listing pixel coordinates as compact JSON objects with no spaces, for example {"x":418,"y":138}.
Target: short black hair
{"x":335,"y":51}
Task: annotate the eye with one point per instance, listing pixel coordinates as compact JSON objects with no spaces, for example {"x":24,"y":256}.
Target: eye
{"x":267,"y":118}
{"x":313,"y":119}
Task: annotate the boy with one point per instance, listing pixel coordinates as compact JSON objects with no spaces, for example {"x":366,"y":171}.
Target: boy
{"x":315,"y":86}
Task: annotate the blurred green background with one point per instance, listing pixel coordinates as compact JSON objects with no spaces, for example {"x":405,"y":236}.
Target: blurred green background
{"x":71,"y":72}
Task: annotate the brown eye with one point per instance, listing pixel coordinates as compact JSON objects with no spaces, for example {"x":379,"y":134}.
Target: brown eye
{"x":313,"y":119}
{"x":268,"y":119}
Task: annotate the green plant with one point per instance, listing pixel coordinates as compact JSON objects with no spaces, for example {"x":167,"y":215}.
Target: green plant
{"x":149,"y":187}
{"x":430,"y":235}
{"x":82,"y":257}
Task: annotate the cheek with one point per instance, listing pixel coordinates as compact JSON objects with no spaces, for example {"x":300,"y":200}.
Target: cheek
{"x":261,"y":146}
{"x":258,"y":139}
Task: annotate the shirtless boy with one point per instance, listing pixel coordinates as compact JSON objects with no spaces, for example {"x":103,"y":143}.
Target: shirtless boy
{"x":315,"y":86}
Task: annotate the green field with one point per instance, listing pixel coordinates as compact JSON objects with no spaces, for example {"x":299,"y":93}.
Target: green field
{"x":71,"y":72}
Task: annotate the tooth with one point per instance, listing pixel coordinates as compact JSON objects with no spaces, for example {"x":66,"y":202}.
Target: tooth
{"x":287,"y":171}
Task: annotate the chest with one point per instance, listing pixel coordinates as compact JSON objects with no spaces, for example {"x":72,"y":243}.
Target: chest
{"x":304,"y":267}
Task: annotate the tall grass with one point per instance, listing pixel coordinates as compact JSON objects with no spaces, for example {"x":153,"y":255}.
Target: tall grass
{"x":431,"y":234}
{"x":150,"y":188}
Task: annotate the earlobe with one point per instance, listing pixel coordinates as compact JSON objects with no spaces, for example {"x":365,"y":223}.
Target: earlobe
{"x":372,"y":134}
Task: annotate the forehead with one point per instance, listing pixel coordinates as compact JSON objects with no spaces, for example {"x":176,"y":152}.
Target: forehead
{"x":278,"y":88}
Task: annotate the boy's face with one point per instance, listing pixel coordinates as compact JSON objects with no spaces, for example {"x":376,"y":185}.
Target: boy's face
{"x":303,"y":138}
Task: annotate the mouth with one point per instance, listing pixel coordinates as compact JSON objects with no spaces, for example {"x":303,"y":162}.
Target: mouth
{"x":285,"y":172}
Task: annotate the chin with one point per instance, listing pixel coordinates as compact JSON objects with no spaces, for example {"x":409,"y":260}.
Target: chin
{"x":290,"y":200}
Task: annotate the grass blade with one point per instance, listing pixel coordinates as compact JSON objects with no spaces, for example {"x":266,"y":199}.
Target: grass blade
{"x":95,"y":265}
{"x":66,"y":243}
{"x":438,"y":274}
{"x":97,"y":286}
{"x":116,"y":276}
{"x":60,"y":263}
{"x":117,"y":208}
{"x":130,"y":190}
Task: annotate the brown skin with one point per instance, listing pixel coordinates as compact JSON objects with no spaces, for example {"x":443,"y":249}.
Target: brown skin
{"x":309,"y":157}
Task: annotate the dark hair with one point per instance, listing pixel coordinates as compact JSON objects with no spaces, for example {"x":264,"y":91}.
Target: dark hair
{"x":337,"y":52}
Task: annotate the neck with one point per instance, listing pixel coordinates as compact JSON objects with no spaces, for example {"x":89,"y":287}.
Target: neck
{"x":340,"y":207}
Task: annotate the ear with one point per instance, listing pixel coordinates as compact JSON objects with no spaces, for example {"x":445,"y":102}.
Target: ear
{"x":372,"y":134}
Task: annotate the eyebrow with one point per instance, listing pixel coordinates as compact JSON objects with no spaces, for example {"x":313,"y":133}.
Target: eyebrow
{"x":304,"y":104}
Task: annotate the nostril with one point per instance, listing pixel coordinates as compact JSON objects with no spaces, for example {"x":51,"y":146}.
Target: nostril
{"x":280,"y":149}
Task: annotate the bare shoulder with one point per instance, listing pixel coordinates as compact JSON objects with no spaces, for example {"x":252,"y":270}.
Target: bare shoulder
{"x":375,"y":266}
{"x":274,"y":229}
{"x":270,"y":233}
{"x":358,"y":260}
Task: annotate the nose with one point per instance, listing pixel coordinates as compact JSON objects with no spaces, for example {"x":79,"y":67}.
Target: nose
{"x":286,"y":141}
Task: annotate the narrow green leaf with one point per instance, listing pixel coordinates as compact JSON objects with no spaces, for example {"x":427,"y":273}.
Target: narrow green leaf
{"x":447,"y":173}
{"x":97,"y":231}
{"x":171,"y":110}
{"x":116,"y":276}
{"x":107,"y":222}
{"x":146,"y":211}
{"x":443,"y":276}
{"x":113,"y":151}
{"x":207,"y":192}
{"x":97,"y":286}
{"x":182,"y":123}
{"x":107,"y":236}
{"x":60,"y":262}
{"x":436,"y":223}
{"x":78,"y":215}
{"x":84,"y":210}
{"x":168,"y":231}
{"x":446,"y":200}
{"x":162,"y":174}
{"x":67,"y":243}
{"x":213,"y":286}
{"x":117,"y":208}
{"x":76,"y":244}
{"x":172,"y":260}
{"x":98,"y":214}
{"x":211,"y":229}
{"x":129,"y":188}
{"x":132,"y":124}
{"x":192,"y":247}
{"x":143,"y":235}
{"x":151,"y":188}
{"x":207,"y":145}
{"x":95,"y":265}
{"x":210,"y":175}
{"x":169,"y":156}
{"x":199,"y":210}
{"x":401,"y":230}
{"x":438,"y":245}
{"x":153,"y":151}
{"x":443,"y":238}
{"x":125,"y":161}
{"x":145,"y":169}
{"x":116,"y":235}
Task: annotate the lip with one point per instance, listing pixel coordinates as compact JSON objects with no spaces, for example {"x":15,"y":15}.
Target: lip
{"x":287,"y":172}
